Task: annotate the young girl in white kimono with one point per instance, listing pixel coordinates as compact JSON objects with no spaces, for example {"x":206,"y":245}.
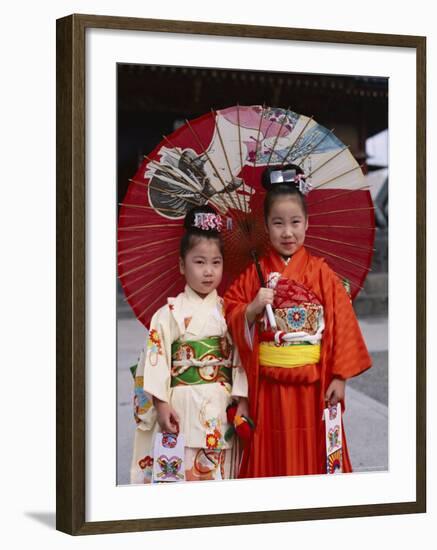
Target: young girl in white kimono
{"x":185,"y":378}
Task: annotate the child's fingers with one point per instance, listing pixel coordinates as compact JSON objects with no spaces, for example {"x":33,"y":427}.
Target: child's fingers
{"x":170,"y":427}
{"x":329,"y":396}
{"x":333,"y":400}
{"x":174,"y":418}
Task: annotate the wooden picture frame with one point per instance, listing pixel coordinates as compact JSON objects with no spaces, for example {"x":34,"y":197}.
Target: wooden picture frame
{"x":71,"y":274}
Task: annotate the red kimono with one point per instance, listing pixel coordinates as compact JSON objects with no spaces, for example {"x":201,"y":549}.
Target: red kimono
{"x":287,"y":403}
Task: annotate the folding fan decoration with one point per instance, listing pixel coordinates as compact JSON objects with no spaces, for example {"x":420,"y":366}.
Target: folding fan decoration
{"x":219,"y":159}
{"x":334,"y":439}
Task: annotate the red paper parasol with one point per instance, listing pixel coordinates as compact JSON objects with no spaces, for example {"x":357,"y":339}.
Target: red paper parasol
{"x":219,"y":159}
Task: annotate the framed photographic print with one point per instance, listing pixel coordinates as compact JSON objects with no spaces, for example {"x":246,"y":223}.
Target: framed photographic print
{"x":156,"y":116}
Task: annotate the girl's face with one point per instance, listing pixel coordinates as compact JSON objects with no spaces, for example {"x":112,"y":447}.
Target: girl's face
{"x":203,"y":266}
{"x":286,"y":225}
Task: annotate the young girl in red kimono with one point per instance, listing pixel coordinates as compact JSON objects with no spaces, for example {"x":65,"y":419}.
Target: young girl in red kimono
{"x":297,"y":369}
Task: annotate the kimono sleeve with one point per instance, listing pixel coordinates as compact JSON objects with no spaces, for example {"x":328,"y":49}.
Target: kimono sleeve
{"x":348,"y":355}
{"x":237,"y":297}
{"x":239,"y":377}
{"x":157,"y":367}
{"x":144,"y":412}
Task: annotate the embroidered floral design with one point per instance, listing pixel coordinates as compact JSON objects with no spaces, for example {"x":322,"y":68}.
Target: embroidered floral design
{"x":142,"y":400}
{"x":206,"y":465}
{"x":169,"y":440}
{"x":221,"y":306}
{"x":334,"y":461}
{"x":146,"y":465}
{"x":170,"y":468}
{"x":213,"y":440}
{"x":154,"y":337}
{"x":334,"y":438}
{"x":296,"y":317}
{"x":333,"y":412}
{"x":187,"y":321}
{"x":146,"y":462}
{"x":290,"y":293}
{"x":225,"y":348}
{"x":209,"y":372}
{"x":184,"y":353}
{"x":305,"y":317}
{"x":154,"y":346}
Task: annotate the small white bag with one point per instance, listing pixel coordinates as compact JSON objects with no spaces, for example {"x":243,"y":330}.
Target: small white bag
{"x":168,"y":457}
{"x":332,"y":418}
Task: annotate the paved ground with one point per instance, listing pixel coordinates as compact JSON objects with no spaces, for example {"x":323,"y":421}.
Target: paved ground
{"x":366,"y":417}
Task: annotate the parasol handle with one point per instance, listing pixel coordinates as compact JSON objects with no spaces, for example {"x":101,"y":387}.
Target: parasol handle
{"x":271,"y":317}
{"x":269,"y":309}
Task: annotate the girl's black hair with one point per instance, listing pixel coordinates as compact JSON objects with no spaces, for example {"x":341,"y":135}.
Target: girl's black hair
{"x":275,"y":190}
{"x":193,"y":234}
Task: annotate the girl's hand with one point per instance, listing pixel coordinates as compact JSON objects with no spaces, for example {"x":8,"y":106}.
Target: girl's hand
{"x":265,"y":296}
{"x":167,"y":417}
{"x":243,"y":407}
{"x":335,"y":392}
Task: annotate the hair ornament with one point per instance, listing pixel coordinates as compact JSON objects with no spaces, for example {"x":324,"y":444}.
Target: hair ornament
{"x":291,"y":176}
{"x":208,"y":221}
{"x":303,"y":185}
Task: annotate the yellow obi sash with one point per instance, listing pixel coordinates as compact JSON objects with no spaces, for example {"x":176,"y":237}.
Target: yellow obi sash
{"x":289,"y":357}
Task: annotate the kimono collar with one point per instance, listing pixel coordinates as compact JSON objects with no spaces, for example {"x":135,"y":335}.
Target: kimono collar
{"x":190,"y":305}
{"x":210,"y":298}
{"x":296,"y":265}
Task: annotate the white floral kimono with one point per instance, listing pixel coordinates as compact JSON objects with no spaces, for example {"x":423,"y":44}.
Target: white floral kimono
{"x":201,"y":406}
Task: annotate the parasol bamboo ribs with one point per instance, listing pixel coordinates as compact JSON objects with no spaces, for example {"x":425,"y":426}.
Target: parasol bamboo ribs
{"x":341,"y":211}
{"x":277,"y":136}
{"x":141,"y":276}
{"x":327,"y":161}
{"x":338,"y":242}
{"x":292,"y":146}
{"x":231,"y":175}
{"x":139,"y":247}
{"x":257,"y":137}
{"x":356,"y":264}
{"x":149,"y":226}
{"x":330,"y":132}
{"x":147,"y":264}
{"x":151,"y":282}
{"x":331,"y":197}
{"x":359,"y":227}
{"x":337,"y":177}
{"x":239,"y":137}
{"x":187,"y":180}
{"x":217,"y":173}
{"x":182,"y":179}
{"x":141,"y":207}
{"x":162,"y":190}
{"x":156,"y":299}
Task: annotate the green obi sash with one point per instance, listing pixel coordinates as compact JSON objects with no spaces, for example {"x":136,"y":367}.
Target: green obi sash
{"x":201,"y":362}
